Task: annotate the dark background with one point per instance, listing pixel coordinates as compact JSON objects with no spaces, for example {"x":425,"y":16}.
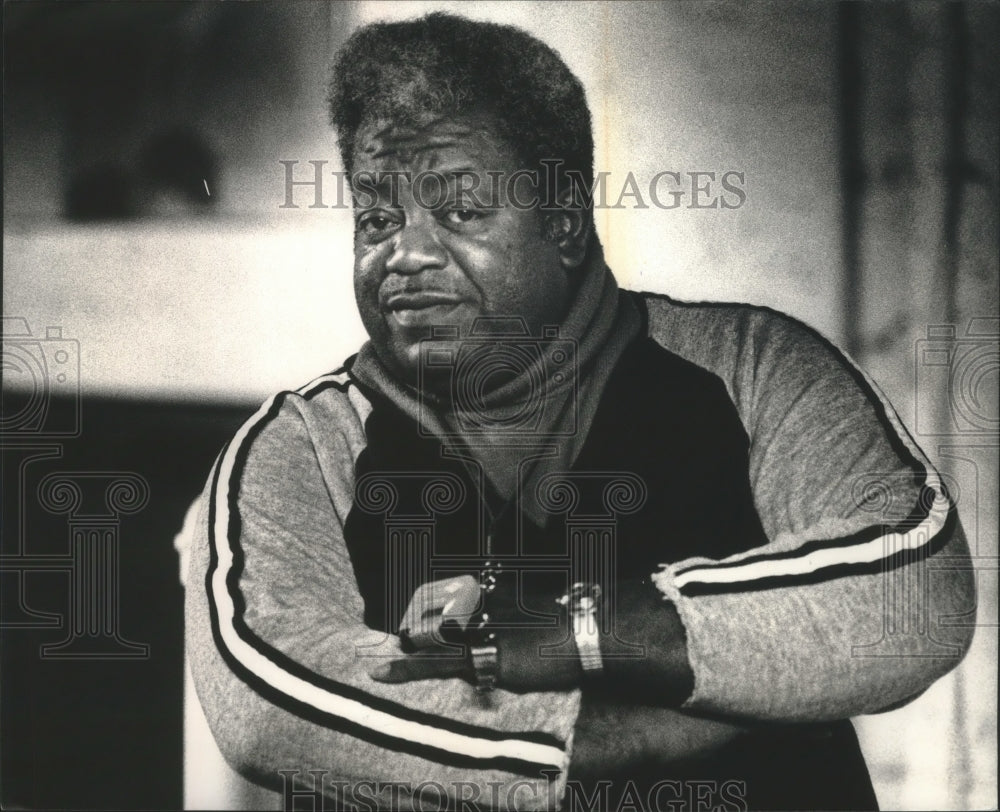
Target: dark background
{"x":95,"y":733}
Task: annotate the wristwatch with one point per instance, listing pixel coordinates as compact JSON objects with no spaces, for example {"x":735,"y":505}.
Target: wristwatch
{"x":582,"y":602}
{"x":483,"y":653}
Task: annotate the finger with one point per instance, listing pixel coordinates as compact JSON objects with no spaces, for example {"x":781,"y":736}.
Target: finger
{"x":409,"y":669}
{"x":433,"y":601}
{"x":451,"y":634}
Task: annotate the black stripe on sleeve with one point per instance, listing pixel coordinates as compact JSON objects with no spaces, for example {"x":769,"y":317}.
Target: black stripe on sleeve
{"x":920,"y":512}
{"x":882,"y":565}
{"x":307,"y":711}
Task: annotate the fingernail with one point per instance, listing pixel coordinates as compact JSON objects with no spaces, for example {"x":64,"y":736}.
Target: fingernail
{"x":380,"y":671}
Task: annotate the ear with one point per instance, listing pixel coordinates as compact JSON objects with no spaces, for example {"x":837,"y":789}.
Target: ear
{"x":569,"y":226}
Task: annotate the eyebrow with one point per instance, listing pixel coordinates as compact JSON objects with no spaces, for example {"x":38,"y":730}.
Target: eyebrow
{"x":404,"y":143}
{"x":386,"y":177}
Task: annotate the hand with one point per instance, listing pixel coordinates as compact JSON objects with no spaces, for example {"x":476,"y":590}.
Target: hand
{"x":537,"y":652}
{"x":533,"y":654}
{"x":435,"y":662}
{"x":432,"y":631}
{"x":526,"y":658}
{"x":435,"y":607}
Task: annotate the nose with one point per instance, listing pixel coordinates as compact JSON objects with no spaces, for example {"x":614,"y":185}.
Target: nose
{"x":417,"y":247}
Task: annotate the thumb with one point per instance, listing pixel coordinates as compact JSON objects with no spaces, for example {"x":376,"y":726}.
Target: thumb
{"x":419,"y":667}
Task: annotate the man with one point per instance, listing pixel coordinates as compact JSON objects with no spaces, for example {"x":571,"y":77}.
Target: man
{"x":666,"y":511}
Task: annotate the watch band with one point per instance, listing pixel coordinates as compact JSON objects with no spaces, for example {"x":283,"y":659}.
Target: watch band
{"x":582,"y":601}
{"x":484,"y":654}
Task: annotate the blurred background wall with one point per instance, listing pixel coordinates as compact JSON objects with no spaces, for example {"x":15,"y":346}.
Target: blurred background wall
{"x":146,"y":220}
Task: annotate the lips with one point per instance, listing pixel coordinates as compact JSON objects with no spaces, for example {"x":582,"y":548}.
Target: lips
{"x":420,"y":299}
{"x":421,"y":308}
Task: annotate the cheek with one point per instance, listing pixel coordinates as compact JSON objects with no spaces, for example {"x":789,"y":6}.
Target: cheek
{"x":514,"y":280}
{"x":362,"y":284}
{"x":366,"y":285}
{"x":533,"y":272}
{"x":368,"y":265}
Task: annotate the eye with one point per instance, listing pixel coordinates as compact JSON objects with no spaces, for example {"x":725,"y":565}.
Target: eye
{"x":462,"y":216}
{"x":374,"y":224}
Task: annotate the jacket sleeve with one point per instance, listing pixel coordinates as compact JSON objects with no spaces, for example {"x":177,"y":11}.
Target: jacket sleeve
{"x":280,"y":655}
{"x":853,"y":605}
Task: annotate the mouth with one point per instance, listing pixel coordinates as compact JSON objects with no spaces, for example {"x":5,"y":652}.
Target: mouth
{"x":421,"y":308}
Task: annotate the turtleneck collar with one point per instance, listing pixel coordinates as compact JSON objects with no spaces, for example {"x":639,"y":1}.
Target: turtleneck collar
{"x":546,"y":406}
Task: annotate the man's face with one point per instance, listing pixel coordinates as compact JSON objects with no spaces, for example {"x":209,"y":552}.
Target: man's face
{"x":428,"y":255}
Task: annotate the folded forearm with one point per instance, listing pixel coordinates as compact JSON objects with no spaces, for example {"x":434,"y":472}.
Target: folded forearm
{"x":644,"y":650}
{"x":642,"y":644}
{"x":615,"y":738}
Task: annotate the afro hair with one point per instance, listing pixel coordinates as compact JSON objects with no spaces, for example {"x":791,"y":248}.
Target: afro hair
{"x":447,"y":64}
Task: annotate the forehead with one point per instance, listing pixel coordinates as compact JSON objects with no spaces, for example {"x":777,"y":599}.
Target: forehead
{"x":442,"y":142}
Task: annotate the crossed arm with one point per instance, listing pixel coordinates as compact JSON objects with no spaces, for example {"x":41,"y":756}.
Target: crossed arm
{"x":283,"y":663}
{"x":631,"y":718}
